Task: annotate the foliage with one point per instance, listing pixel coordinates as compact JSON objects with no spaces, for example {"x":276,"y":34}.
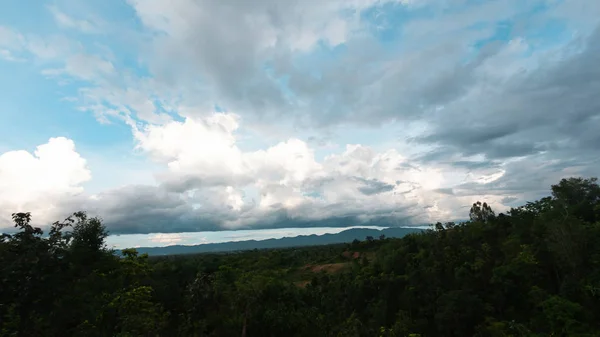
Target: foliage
{"x":534,"y":271}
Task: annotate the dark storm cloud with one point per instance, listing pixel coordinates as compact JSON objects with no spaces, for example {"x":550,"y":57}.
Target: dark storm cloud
{"x":419,"y":81}
{"x":473,"y":165}
{"x":555,"y":106}
{"x":146,"y":209}
{"x":373,"y":186}
{"x":181,"y":183}
{"x":136,"y":209}
{"x":530,"y":178}
{"x":367,"y":186}
{"x":282,"y":218}
{"x":537,"y":127}
{"x":477,"y":135}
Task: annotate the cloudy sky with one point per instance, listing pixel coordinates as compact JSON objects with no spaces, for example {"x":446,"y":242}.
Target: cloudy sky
{"x":188,"y":116}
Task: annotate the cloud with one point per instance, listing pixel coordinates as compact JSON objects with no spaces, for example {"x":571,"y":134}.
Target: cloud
{"x":8,"y":56}
{"x":16,"y":46}
{"x":208,"y":178}
{"x":66,"y":21}
{"x":262,"y":64}
{"x":41,"y":181}
{"x":83,"y":67}
{"x":11,"y":42}
{"x":549,"y":111}
{"x":149,"y":209}
{"x":242,"y":65}
{"x":335,"y":114}
{"x":359,"y":186}
{"x":375,"y":187}
{"x":355,"y":187}
{"x":509,"y":200}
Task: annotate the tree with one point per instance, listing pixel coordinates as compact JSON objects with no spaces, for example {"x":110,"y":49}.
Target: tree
{"x":578,"y":197}
{"x":137,"y":314}
{"x":69,"y":284}
{"x":88,"y":234}
{"x":481,"y":212}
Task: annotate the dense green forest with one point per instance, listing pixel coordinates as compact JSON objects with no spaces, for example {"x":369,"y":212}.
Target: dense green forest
{"x":534,"y":271}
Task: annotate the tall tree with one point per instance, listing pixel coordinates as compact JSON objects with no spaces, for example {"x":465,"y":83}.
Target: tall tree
{"x":481,"y":212}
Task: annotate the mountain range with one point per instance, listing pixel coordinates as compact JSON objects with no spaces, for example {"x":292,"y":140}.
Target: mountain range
{"x":348,"y":235}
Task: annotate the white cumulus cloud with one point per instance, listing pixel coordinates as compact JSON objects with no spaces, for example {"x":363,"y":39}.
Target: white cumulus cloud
{"x":39,"y":182}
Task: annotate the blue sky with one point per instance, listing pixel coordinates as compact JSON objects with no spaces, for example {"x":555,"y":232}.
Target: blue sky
{"x":199,"y":116}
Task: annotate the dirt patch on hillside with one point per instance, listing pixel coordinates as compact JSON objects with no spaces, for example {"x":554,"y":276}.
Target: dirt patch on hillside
{"x":328,"y":268}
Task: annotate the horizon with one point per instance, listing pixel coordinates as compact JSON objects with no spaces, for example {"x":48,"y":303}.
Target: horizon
{"x":170,"y":120}
{"x":155,"y":240}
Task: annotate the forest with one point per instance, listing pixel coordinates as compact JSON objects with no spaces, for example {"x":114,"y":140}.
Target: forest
{"x":532,"y":271}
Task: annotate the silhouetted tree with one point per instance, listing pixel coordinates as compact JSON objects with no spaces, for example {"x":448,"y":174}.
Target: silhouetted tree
{"x":481,"y":212}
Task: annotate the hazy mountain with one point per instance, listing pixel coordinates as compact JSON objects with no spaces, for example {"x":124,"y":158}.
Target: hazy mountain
{"x":302,"y":240}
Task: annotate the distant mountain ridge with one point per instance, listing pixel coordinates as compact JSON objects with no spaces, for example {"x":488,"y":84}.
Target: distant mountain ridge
{"x":348,"y":235}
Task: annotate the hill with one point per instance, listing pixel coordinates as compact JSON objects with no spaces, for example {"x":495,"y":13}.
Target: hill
{"x":298,"y":241}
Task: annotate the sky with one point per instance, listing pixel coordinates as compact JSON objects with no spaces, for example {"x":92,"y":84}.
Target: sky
{"x":187,"y":116}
